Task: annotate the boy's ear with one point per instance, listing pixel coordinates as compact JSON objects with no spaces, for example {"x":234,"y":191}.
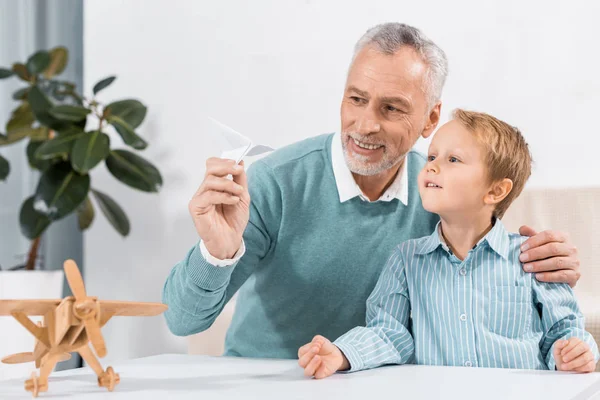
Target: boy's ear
{"x":498,"y":191}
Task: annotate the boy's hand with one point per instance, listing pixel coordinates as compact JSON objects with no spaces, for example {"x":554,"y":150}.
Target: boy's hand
{"x":321,"y":358}
{"x":574,"y":355}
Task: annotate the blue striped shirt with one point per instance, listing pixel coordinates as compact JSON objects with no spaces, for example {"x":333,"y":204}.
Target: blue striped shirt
{"x":429,"y":307}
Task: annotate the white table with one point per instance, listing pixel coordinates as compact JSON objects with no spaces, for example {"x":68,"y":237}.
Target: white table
{"x":211,"y":378}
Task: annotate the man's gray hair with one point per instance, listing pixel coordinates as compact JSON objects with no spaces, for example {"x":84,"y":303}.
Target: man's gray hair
{"x":390,"y":37}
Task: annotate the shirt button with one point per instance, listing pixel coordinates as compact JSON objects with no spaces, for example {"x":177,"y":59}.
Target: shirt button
{"x":463,"y":317}
{"x":463,"y":272}
{"x":468,"y":364}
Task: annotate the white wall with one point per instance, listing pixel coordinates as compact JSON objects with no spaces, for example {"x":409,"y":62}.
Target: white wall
{"x":275,"y":71}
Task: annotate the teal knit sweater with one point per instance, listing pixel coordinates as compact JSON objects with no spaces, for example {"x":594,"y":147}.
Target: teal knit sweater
{"x":310,"y":261}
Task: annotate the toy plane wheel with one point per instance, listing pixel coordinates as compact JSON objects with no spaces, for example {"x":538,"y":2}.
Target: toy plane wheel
{"x":34,"y":385}
{"x":109,"y":379}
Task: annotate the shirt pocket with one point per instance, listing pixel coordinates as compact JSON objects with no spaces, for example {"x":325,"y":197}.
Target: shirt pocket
{"x":508,"y":312}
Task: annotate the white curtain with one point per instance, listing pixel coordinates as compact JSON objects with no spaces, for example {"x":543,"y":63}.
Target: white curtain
{"x":25,"y":27}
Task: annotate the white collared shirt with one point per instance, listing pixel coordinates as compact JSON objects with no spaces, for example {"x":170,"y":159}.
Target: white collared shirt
{"x":347,"y":189}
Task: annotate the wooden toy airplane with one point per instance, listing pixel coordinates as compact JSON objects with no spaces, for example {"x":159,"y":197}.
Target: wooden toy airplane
{"x":69,"y":324}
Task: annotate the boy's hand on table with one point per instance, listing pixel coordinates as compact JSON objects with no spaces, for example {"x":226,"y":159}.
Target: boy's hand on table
{"x":321,"y":358}
{"x":573,"y":355}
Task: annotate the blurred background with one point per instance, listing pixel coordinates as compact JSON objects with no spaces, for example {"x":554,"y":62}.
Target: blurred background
{"x":274,"y":71}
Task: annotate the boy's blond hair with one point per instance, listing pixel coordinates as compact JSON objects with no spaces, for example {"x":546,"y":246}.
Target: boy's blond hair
{"x":505,"y":150}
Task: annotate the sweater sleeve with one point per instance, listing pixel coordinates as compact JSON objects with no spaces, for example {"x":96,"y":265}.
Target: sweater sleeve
{"x":195,"y":290}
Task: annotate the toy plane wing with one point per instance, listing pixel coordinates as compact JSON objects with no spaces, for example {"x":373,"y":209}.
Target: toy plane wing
{"x":131,"y":308}
{"x":28,"y":307}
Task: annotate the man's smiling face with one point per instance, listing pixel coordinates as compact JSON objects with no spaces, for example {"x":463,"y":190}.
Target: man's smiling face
{"x":384,"y":110}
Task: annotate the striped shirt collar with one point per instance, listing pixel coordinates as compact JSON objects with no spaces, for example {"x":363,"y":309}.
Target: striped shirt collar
{"x":347,"y":187}
{"x":497,"y":239}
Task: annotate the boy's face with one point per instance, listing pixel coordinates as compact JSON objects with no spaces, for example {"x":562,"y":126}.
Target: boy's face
{"x":454,"y":181}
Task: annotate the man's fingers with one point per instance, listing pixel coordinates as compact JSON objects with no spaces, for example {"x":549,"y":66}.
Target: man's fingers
{"x":565,"y":276}
{"x":527,"y":231}
{"x":548,"y":250}
{"x":222,"y":167}
{"x":213,"y":198}
{"x":552,"y":264}
{"x":241,"y":178}
{"x":312,"y":366}
{"x":543,"y":238}
{"x":221,"y":185}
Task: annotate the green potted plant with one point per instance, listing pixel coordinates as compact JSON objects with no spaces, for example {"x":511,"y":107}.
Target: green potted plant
{"x":67,"y":138}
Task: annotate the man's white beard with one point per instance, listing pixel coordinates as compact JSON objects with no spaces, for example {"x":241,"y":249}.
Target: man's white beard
{"x":360,"y":164}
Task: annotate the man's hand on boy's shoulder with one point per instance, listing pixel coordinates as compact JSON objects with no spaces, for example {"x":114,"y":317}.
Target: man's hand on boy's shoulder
{"x":574,"y":355}
{"x":550,"y":255}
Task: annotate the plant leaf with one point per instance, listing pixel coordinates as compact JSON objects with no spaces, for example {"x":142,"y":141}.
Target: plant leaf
{"x":35,"y":162}
{"x":89,"y":150}
{"x":70,"y":130}
{"x":69,"y":113}
{"x":21,"y":117}
{"x":129,"y":136}
{"x":58,"y":146}
{"x":58,"y":61}
{"x":36,"y":134}
{"x":131,"y":111}
{"x":39,"y":134}
{"x":20,"y":126}
{"x":32,"y":223}
{"x":21,"y":71}
{"x":104,"y":83}
{"x":14,"y":136}
{"x":60,"y":191}
{"x":85,"y":214}
{"x":41,"y":105}
{"x":38,"y":62}
{"x":4,"y":168}
{"x":5,"y":73}
{"x":21,"y":94}
{"x":134,"y":171}
{"x":113,"y":212}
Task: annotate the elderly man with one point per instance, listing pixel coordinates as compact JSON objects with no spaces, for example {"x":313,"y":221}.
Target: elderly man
{"x":304,"y":236}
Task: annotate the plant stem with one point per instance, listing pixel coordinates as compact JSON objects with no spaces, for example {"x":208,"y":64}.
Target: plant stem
{"x":33,"y":251}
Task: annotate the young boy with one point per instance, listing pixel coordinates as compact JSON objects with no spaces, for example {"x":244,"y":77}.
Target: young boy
{"x":470,"y":302}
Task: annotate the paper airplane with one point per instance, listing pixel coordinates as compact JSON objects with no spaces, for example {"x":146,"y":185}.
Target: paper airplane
{"x":240,"y":145}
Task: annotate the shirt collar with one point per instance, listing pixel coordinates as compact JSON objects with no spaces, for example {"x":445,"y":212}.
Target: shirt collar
{"x":497,"y":239}
{"x":347,"y":187}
